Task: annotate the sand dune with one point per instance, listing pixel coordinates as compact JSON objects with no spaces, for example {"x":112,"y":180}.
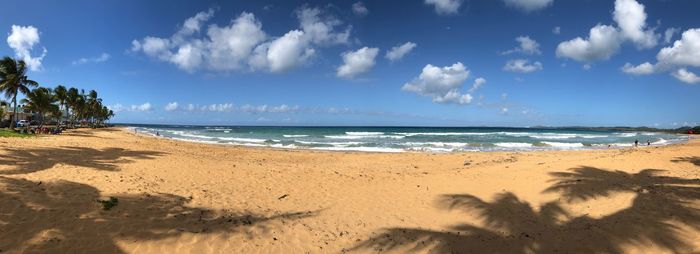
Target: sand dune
{"x":178,"y":197}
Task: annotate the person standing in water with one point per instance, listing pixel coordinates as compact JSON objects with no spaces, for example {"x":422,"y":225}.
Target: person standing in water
{"x":636,"y":142}
{"x":648,"y":143}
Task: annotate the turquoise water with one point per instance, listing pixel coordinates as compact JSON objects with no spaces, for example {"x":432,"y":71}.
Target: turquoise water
{"x":403,"y":139}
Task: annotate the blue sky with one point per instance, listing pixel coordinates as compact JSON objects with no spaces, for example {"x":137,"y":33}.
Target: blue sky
{"x":537,"y":62}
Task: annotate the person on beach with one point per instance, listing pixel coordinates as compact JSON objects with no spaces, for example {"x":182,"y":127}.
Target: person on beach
{"x":636,"y":142}
{"x":648,"y":143}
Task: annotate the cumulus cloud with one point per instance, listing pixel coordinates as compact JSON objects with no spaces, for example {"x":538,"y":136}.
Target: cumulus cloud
{"x":443,"y":84}
{"x":284,"y":53}
{"x":22,"y":40}
{"x":676,"y":58}
{"x":143,"y":107}
{"x":478,"y":83}
{"x":684,"y":52}
{"x":527,"y":46}
{"x":685,"y":76}
{"x":321,"y":28}
{"x":528,"y":5}
{"x":445,"y":7}
{"x":243,"y":44}
{"x":357,"y":62}
{"x":116,"y":107}
{"x":359,"y":9}
{"x":642,"y":69}
{"x":522,"y":66}
{"x":669,"y":33}
{"x":172,"y":106}
{"x":397,"y":52}
{"x":98,"y":59}
{"x":603,"y":41}
{"x":631,"y":19}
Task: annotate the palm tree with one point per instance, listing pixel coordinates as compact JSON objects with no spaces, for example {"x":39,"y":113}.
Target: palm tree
{"x":72,"y":103}
{"x":61,"y":94}
{"x":14,"y":80}
{"x":42,"y":101}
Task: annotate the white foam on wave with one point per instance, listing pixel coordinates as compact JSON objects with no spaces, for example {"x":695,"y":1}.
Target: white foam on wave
{"x":513,"y":144}
{"x":363,"y":136}
{"x":563,"y":144}
{"x":339,"y":144}
{"x":361,"y":149}
{"x":294,"y":136}
{"x":661,"y":141}
{"x":443,"y":133}
{"x":627,"y":134}
{"x":363,"y":133}
{"x":438,"y":144}
{"x":252,"y":140}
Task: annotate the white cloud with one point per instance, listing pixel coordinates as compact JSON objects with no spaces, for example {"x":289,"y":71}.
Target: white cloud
{"x":284,"y":108}
{"x":504,"y":96}
{"x":172,"y":106}
{"x":669,"y":33}
{"x":116,"y":107}
{"x":528,"y":5}
{"x":359,"y":9}
{"x":631,"y":19}
{"x":603,"y":41}
{"x":221,"y":107}
{"x":397,"y":52}
{"x":284,"y":53}
{"x":684,"y":52}
{"x":686,"y":76}
{"x":243,"y":44}
{"x":642,"y":69}
{"x":522,"y":66}
{"x":556,"y":30}
{"x":504,"y":110}
{"x":442,"y":84}
{"x":357,"y":62}
{"x":445,"y":7}
{"x":478,"y":83}
{"x":527,"y":46}
{"x":143,"y":107}
{"x":101,"y":58}
{"x":320,"y":28}
{"x":22,"y":40}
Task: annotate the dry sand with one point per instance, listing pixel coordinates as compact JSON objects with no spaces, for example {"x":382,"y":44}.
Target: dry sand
{"x":178,"y":197}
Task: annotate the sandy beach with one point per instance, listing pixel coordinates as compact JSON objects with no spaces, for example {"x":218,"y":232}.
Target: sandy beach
{"x":181,"y":197}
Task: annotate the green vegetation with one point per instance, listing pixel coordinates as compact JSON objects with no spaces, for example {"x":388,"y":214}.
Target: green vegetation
{"x":82,"y":109}
{"x":12,"y":134}
{"x":108,"y":204}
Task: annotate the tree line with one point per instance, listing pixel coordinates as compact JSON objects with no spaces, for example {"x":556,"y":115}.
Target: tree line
{"x":49,"y":103}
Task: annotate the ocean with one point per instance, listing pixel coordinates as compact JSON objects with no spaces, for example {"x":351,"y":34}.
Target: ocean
{"x":406,"y":139}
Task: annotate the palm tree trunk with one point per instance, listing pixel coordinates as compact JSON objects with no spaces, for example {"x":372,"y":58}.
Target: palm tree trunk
{"x":14,"y":112}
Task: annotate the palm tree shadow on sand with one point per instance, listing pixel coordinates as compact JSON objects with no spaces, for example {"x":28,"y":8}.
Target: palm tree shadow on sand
{"x":49,"y":217}
{"x":511,"y":225}
{"x":695,"y":160}
{"x":37,"y":159}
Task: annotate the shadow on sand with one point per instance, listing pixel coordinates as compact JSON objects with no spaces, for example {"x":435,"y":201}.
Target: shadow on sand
{"x":511,"y":225}
{"x":64,"y":216}
{"x":37,"y":159}
{"x":695,"y":160}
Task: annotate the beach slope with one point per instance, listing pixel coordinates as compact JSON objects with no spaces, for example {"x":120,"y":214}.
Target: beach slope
{"x":180,"y":197}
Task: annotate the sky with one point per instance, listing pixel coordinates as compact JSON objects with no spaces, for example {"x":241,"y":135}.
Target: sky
{"x":378,"y":63}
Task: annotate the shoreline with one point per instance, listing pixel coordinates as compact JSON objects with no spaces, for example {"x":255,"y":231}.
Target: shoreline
{"x":129,"y":129}
{"x":176,"y":196}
